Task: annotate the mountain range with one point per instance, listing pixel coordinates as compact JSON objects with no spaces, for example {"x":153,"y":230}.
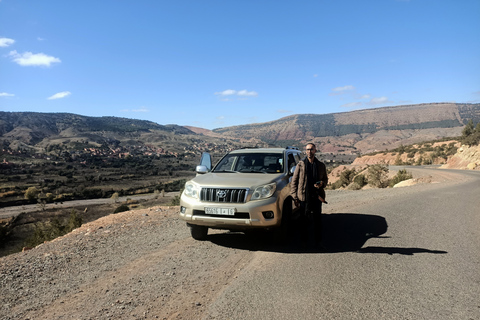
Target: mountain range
{"x":352,"y":132}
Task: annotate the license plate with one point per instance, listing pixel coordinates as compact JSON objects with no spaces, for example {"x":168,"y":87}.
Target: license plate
{"x":220,"y":211}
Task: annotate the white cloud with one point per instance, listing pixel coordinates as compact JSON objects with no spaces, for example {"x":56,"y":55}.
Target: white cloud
{"x":284,"y":111}
{"x":5,"y":42}
{"x":4,"y":94}
{"x":351,"y":105}
{"x":365,"y":96}
{"x":227,"y":92}
{"x":219,"y":120}
{"x":142,"y":109}
{"x":31,"y":59}
{"x":252,"y":119}
{"x":341,"y":90}
{"x":60,"y":95}
{"x":246,"y":93}
{"x":240,"y":93}
{"x":380,"y":100}
{"x":40,"y":39}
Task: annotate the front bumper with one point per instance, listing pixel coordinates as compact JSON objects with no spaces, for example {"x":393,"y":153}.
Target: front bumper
{"x":263,"y":213}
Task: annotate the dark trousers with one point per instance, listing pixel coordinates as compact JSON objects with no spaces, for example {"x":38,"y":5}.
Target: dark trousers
{"x":309,"y":226}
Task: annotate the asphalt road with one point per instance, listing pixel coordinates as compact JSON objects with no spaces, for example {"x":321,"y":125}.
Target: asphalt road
{"x":403,"y":253}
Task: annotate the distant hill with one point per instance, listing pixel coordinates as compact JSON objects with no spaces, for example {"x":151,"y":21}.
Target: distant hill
{"x":363,"y":130}
{"x":352,"y":132}
{"x":33,"y":127}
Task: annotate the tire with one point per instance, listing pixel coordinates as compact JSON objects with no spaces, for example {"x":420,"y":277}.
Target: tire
{"x":198,"y":232}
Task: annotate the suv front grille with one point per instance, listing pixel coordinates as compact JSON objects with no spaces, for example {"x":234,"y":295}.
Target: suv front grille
{"x":223,"y":195}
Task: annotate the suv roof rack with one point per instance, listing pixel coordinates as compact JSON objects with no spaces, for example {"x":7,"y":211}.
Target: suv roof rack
{"x":290,"y":147}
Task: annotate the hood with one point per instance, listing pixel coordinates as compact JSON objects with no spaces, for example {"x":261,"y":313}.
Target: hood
{"x":235,"y":180}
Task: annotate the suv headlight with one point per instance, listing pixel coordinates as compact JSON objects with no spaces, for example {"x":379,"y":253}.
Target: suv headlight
{"x":265,"y":191}
{"x":191,"y":190}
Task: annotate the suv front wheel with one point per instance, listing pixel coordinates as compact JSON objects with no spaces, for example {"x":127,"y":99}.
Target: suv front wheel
{"x":198,"y":232}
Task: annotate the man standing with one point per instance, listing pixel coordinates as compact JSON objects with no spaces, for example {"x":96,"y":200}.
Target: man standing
{"x":307,"y":190}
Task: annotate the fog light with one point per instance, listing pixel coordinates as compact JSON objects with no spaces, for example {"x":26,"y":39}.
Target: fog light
{"x":183,"y":209}
{"x":268,"y":214}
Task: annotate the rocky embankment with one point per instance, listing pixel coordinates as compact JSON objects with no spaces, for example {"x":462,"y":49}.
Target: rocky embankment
{"x":465,"y":158}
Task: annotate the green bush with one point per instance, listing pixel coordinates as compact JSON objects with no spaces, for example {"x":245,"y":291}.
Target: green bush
{"x":121,"y":208}
{"x":419,"y":161}
{"x":398,"y":160}
{"x":346,"y":177}
{"x":361,"y":180}
{"x":335,"y":185}
{"x":175,"y":201}
{"x":401,"y":175}
{"x":48,"y":231}
{"x":32,"y":193}
{"x":3,"y":233}
{"x":377,"y":176}
{"x":354,"y":186}
{"x":471,"y":134}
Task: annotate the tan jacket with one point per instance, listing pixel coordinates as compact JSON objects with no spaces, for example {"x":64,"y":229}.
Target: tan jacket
{"x":299,"y":179}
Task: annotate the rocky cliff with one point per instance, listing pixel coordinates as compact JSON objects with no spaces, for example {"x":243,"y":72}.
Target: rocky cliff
{"x":363,"y":131}
{"x":465,"y":158}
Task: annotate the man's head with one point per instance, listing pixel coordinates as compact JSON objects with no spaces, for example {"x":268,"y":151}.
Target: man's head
{"x":310,"y":150}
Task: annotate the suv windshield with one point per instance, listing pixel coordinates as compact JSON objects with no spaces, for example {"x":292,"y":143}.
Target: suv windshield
{"x":251,"y":163}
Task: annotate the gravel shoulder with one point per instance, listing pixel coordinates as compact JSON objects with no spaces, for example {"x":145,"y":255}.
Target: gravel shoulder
{"x":138,"y":264}
{"x":143,"y":264}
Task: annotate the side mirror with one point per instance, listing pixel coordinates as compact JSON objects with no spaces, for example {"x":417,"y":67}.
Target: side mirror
{"x":292,"y":170}
{"x":206,"y":161}
{"x":201,"y":169}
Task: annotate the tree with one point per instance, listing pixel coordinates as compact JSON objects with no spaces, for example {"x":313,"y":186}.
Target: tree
{"x":468,"y":130}
{"x":31,"y":193}
{"x":471,"y":134}
{"x":115,"y":197}
{"x":378,"y":176}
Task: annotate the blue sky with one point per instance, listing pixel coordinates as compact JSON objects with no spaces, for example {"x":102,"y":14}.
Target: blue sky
{"x":213,"y":64}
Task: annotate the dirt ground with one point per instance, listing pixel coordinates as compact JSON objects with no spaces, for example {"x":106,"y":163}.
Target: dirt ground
{"x":139,"y":264}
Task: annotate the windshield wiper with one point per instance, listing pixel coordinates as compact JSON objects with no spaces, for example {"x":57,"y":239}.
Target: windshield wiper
{"x":222,"y":171}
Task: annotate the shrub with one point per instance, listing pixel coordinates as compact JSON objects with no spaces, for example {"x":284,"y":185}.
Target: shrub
{"x":32,"y":193}
{"x":115,"y":197}
{"x":419,"y":161}
{"x":346,"y":177}
{"x":175,"y":201}
{"x":53,"y":229}
{"x":471,"y":134}
{"x":4,"y":231}
{"x":398,"y":160}
{"x":377,"y":176}
{"x":121,"y":208}
{"x":401,"y":175}
{"x":354,"y":186}
{"x":335,"y":185}
{"x":361,"y":180}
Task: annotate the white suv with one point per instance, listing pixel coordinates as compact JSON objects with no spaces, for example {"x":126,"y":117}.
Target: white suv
{"x":247,"y":189}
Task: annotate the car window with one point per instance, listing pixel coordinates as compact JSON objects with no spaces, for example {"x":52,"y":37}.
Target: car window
{"x":291,"y":161}
{"x":226,"y":164}
{"x":297,"y":157}
{"x":251,"y":163}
